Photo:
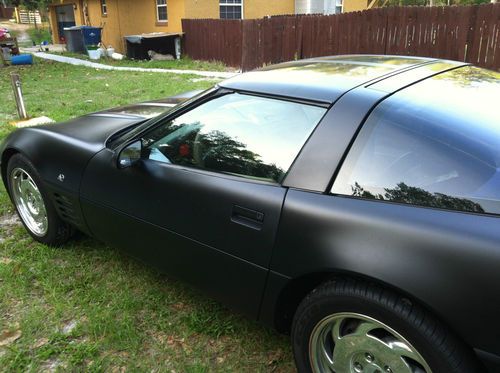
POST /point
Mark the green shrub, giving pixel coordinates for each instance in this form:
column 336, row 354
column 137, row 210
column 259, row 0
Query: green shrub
column 39, row 35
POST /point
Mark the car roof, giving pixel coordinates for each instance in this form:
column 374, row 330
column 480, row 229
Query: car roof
column 322, row 79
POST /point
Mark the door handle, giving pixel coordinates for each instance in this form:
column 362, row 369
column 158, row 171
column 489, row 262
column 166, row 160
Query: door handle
column 247, row 217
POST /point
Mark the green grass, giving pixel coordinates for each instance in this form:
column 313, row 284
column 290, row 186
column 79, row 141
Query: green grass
column 89, row 307
column 184, row 63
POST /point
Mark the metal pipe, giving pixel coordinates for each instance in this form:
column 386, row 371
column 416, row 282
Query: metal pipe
column 18, row 95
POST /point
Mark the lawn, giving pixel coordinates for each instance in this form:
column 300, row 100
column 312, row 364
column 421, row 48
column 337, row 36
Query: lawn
column 185, row 63
column 88, row 307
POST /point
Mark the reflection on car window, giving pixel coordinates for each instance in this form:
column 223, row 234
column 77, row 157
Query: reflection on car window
column 430, row 146
column 237, row 134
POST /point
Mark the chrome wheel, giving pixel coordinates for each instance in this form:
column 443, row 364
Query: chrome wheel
column 354, row 343
column 29, row 202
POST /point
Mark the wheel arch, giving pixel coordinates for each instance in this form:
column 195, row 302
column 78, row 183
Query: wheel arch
column 37, row 147
column 296, row 289
column 7, row 154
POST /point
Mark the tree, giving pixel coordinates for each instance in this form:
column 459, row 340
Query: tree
column 434, row 2
column 34, row 5
column 403, row 193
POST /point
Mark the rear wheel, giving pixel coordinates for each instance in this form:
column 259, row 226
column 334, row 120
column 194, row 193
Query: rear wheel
column 353, row 327
column 33, row 204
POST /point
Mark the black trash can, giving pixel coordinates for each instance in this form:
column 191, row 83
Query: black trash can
column 74, row 40
column 78, row 38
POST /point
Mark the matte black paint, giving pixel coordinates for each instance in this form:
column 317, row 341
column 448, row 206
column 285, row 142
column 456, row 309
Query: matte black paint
column 246, row 242
column 168, row 202
column 323, row 153
column 412, row 248
column 321, row 79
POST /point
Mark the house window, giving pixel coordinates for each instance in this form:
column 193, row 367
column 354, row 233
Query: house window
column 161, row 11
column 339, row 5
column 231, row 9
column 104, row 8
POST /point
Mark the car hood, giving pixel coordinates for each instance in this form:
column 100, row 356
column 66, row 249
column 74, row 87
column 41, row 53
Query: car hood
column 149, row 109
column 65, row 148
column 94, row 130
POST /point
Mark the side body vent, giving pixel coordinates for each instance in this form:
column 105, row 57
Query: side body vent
column 68, row 210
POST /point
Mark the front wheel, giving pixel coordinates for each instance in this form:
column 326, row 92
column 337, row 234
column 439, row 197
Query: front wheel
column 347, row 326
column 33, row 204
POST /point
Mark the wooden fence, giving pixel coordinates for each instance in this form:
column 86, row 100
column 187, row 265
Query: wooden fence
column 462, row 33
column 6, row 12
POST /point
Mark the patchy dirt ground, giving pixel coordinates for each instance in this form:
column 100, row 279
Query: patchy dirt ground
column 19, row 29
column 89, row 307
column 7, row 223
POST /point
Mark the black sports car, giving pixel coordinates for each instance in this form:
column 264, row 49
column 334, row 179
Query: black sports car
column 353, row 201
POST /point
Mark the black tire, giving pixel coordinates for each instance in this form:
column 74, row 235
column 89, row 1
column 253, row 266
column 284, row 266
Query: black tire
column 440, row 348
column 58, row 231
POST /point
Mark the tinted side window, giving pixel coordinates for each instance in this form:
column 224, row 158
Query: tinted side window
column 430, row 146
column 236, row 134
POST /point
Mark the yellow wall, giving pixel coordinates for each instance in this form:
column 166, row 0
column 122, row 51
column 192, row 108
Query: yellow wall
column 130, row 17
column 202, row 8
column 251, row 8
column 354, row 5
column 124, row 17
column 262, row 8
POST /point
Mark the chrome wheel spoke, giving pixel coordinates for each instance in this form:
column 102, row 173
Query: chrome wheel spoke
column 402, row 349
column 364, row 328
column 400, row 365
column 349, row 342
column 29, row 202
column 20, row 183
column 336, row 331
column 327, row 361
column 341, row 357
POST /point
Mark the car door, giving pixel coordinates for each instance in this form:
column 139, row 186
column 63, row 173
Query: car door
column 204, row 202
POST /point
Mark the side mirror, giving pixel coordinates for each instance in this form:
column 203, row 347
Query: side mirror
column 130, row 154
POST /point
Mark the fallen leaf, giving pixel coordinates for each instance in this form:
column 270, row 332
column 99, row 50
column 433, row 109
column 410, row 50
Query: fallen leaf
column 220, row 360
column 40, row 343
column 274, row 357
column 7, row 337
column 170, row 340
column 69, row 327
column 5, row 260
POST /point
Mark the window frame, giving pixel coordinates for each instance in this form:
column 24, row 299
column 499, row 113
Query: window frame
column 157, row 10
column 225, row 4
column 104, row 8
column 341, row 6
column 369, row 125
column 213, row 94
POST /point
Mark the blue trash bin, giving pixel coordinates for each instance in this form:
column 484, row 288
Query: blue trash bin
column 91, row 35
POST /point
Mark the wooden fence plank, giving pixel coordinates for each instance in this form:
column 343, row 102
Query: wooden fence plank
column 495, row 62
column 464, row 33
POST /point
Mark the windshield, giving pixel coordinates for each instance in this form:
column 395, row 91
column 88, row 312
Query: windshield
column 130, row 133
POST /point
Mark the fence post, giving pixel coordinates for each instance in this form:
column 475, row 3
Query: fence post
column 18, row 95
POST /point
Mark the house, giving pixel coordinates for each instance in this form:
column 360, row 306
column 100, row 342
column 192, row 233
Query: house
column 119, row 18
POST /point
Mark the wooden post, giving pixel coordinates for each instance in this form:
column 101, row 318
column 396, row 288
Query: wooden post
column 2, row 59
column 18, row 95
